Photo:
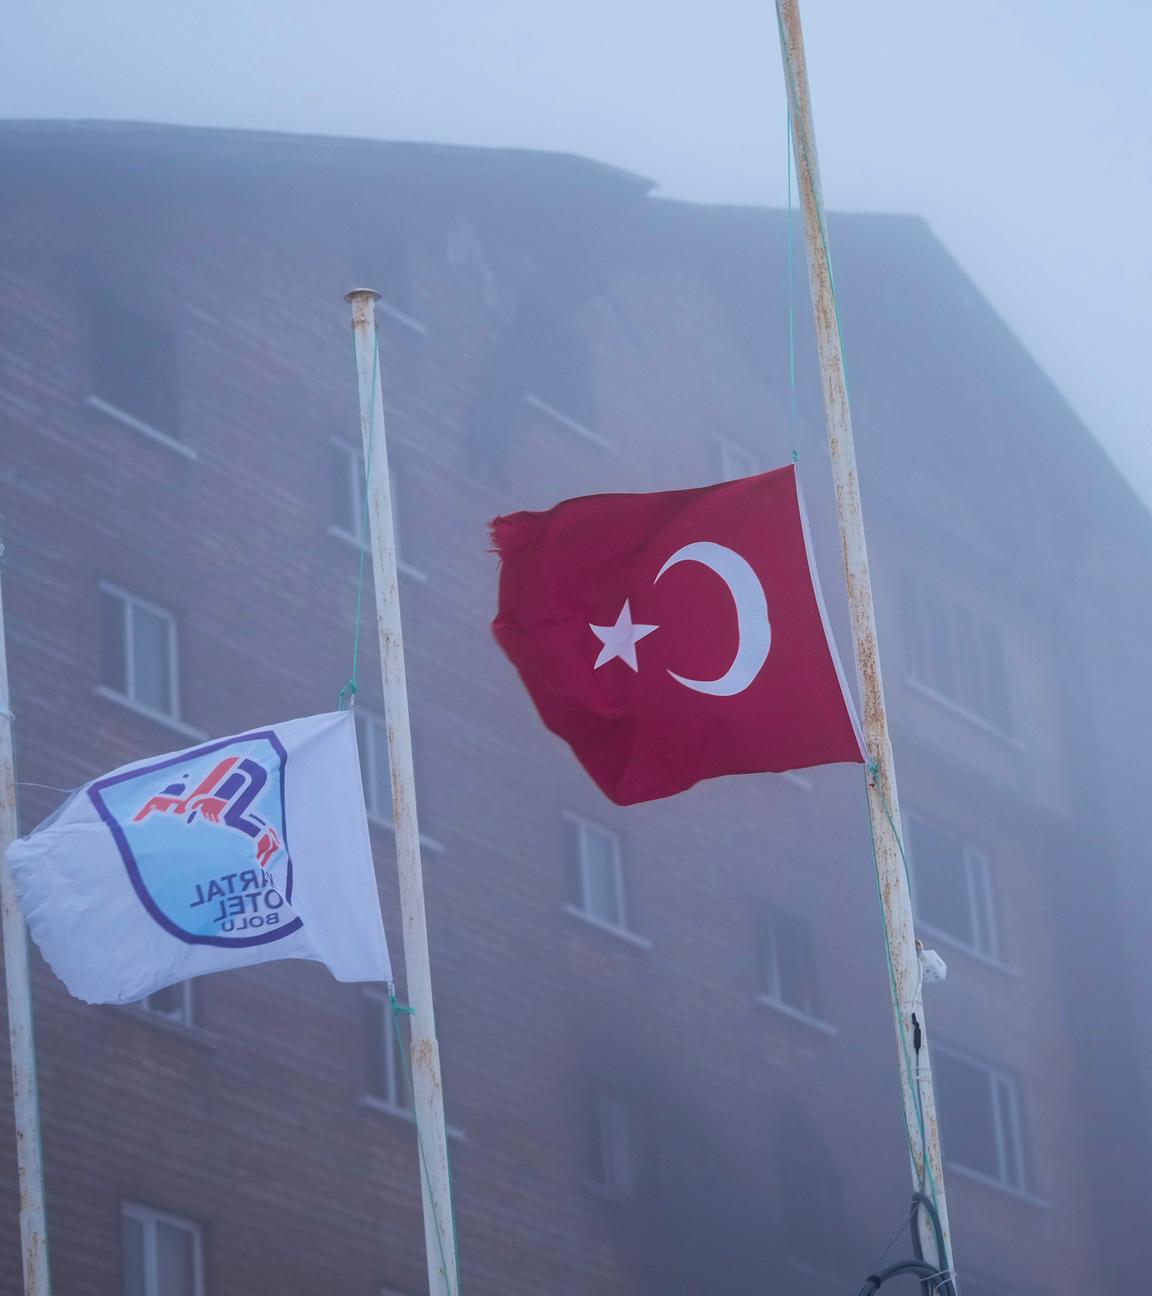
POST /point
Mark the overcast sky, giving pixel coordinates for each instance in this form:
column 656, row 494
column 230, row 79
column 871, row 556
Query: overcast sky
column 1019, row 128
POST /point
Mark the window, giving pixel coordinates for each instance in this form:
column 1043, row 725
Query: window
column 375, row 769
column 376, row 775
column 599, row 874
column 952, row 887
column 735, row 461
column 346, row 490
column 560, row 379
column 787, row 961
column 981, row 1120
column 138, row 652
column 174, row 1002
column 956, row 654
column 133, row 366
column 162, row 1255
column 346, row 484
column 612, row 1145
column 386, row 1079
column 466, row 255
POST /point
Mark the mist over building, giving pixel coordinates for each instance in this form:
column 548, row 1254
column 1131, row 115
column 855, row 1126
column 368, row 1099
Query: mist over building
column 669, row 1058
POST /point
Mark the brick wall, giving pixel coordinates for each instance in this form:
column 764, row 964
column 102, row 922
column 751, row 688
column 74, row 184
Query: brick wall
column 253, row 1122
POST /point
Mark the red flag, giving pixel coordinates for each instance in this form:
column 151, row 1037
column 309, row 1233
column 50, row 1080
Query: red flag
column 676, row 636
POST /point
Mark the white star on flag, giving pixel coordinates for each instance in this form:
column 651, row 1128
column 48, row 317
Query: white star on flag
column 620, row 640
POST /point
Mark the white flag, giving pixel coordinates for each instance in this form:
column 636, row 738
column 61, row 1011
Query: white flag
column 233, row 852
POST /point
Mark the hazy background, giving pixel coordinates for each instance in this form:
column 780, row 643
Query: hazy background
column 1018, row 128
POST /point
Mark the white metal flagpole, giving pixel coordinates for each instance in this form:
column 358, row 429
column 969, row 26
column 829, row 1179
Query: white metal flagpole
column 883, row 804
column 439, row 1225
column 29, row 1159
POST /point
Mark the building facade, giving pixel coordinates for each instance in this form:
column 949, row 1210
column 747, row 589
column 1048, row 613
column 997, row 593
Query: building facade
column 668, row 1052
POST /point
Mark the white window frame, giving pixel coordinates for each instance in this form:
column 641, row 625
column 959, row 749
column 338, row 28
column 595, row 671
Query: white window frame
column 977, row 887
column 360, row 537
column 393, row 1100
column 401, row 316
column 399, row 1078
column 169, row 439
column 1007, row 1123
column 915, row 586
column 767, row 941
column 615, row 1134
column 978, row 877
column 128, row 697
column 771, row 996
column 169, row 442
column 184, row 1016
column 565, row 418
column 377, row 814
column 582, row 828
column 381, row 816
column 149, row 1218
column 388, row 306
column 465, row 254
column 736, row 461
column 353, row 457
column 557, row 416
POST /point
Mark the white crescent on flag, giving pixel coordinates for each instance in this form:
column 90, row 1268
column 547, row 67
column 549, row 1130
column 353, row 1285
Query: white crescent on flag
column 753, row 629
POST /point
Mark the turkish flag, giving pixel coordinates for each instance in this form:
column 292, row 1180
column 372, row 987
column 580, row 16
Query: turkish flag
column 675, row 636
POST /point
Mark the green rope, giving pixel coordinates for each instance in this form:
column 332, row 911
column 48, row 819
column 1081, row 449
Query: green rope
column 927, row 1178
column 792, row 99
column 926, row 1173
column 399, row 1010
column 874, row 775
column 347, row 695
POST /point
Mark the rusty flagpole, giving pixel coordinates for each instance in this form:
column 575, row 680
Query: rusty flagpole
column 25, row 1095
column 428, row 1099
column 883, row 804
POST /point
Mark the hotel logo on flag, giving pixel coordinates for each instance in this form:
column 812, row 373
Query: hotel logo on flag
column 233, row 852
column 199, row 834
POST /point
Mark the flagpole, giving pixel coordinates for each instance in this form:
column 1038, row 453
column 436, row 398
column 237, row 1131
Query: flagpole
column 25, row 1095
column 439, row 1224
column 883, row 803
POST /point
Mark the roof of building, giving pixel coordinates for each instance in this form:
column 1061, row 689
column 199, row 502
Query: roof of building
column 992, row 407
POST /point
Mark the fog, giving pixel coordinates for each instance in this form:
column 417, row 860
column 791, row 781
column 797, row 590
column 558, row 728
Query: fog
column 666, row 1029
column 1019, row 131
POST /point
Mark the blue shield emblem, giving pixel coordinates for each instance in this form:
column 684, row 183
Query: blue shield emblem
column 199, row 835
